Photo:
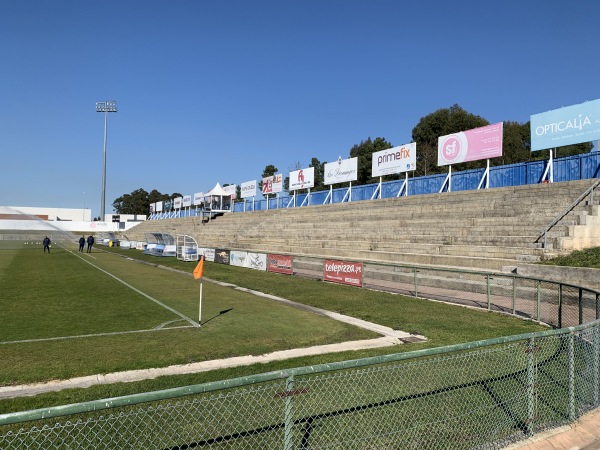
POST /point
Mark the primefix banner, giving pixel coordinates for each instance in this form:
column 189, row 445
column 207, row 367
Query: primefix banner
column 341, row 171
column 343, row 272
column 248, row 189
column 394, row 160
column 566, row 126
column 470, row 145
column 279, row 263
column 302, row 179
column 272, row 185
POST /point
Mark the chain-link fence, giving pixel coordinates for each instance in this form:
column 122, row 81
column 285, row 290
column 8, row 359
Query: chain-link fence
column 479, row 395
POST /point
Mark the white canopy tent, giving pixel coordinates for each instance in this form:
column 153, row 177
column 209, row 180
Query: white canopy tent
column 219, row 199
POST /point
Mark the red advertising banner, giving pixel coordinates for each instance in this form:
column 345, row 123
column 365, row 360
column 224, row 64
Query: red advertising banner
column 279, row 263
column 343, row 272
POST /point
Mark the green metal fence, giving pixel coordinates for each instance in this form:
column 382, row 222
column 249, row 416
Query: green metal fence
column 477, row 395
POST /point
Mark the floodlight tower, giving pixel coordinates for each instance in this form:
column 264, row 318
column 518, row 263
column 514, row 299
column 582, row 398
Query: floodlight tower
column 105, row 107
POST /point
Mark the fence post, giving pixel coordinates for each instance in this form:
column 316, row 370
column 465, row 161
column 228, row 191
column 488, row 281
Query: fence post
column 530, row 387
column 289, row 415
column 416, row 281
column 580, row 306
column 539, row 296
column 571, row 376
column 596, row 363
column 487, row 279
column 560, row 305
column 514, row 295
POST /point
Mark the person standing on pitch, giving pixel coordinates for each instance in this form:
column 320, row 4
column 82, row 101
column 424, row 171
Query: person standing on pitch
column 90, row 242
column 81, row 243
column 46, row 243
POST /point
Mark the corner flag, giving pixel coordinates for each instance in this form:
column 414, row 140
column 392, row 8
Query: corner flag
column 199, row 270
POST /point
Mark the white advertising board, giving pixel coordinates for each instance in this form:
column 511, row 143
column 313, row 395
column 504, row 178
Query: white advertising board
column 230, row 190
column 272, row 185
column 237, row 258
column 187, row 201
column 257, row 261
column 209, row 253
column 198, row 198
column 394, row 160
column 177, row 202
column 248, row 189
column 159, row 206
column 302, row 179
column 341, row 171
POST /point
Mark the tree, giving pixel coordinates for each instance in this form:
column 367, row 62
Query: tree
column 364, row 152
column 440, row 123
column 134, row 203
column 319, row 174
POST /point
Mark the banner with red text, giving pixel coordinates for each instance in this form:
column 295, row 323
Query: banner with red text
column 344, row 272
column 279, row 263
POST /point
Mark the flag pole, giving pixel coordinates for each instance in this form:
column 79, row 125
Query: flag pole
column 200, row 307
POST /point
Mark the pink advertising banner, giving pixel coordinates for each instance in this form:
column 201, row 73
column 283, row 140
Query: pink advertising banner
column 470, row 145
column 343, row 272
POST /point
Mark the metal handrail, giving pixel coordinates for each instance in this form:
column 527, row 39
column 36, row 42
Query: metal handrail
column 568, row 209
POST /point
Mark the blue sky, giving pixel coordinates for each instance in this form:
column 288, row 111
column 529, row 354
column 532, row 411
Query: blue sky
column 214, row 91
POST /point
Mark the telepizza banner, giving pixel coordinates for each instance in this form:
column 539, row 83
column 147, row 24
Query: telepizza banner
column 279, row 263
column 470, row 145
column 302, row 179
column 343, row 272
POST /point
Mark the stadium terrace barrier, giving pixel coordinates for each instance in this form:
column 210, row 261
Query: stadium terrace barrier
column 477, row 395
column 570, row 168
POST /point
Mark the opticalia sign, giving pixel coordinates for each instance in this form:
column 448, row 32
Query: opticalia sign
column 566, row 126
column 248, row 189
column 394, row 160
column 302, row 179
column 343, row 272
column 341, row 171
column 471, row 145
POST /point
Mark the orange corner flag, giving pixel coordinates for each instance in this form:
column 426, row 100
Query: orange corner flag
column 199, row 270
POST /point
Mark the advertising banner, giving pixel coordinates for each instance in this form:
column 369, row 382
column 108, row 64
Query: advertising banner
column 222, row 256
column 272, row 185
column 177, row 202
column 257, row 261
column 394, row 160
column 167, row 205
column 187, row 201
column 302, row 179
column 248, row 189
column 198, row 198
column 159, row 206
column 279, row 263
column 341, row 171
column 566, row 126
column 343, row 272
column 152, row 207
column 209, row 253
column 237, row 258
column 230, row 190
column 471, row 145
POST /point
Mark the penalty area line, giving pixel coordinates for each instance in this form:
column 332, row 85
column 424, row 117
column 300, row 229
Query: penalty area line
column 158, row 302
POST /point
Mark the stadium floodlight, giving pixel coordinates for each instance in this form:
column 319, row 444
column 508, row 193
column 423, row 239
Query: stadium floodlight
column 105, row 107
